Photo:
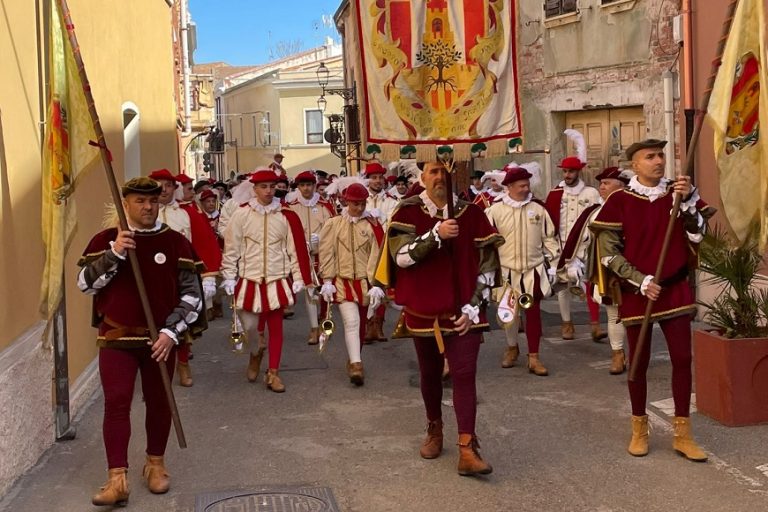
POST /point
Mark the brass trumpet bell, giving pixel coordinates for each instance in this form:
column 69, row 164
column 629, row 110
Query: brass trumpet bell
column 525, row 301
column 238, row 338
column 327, row 326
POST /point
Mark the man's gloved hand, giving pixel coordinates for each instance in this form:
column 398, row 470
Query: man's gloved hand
column 328, row 291
column 228, row 285
column 376, row 295
column 209, row 288
column 575, row 271
column 297, row 286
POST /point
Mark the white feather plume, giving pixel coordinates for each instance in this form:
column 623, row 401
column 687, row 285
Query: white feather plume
column 243, row 192
column 493, row 175
column 578, row 140
column 626, row 173
column 535, row 169
column 338, row 185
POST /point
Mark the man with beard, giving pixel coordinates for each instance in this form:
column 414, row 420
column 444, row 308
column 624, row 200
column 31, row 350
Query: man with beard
column 442, row 270
column 630, row 232
column 565, row 203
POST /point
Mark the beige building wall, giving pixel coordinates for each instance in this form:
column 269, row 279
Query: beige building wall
column 286, row 96
column 122, row 69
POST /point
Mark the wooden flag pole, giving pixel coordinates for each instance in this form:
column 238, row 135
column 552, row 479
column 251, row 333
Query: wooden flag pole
column 687, row 172
column 116, row 197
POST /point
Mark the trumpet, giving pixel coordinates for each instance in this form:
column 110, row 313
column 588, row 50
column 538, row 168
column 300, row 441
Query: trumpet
column 326, row 329
column 510, row 304
column 238, row 337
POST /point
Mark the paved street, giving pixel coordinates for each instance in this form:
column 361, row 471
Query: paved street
column 556, row 443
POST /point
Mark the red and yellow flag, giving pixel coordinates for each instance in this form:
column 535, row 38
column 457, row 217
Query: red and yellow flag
column 66, row 155
column 737, row 109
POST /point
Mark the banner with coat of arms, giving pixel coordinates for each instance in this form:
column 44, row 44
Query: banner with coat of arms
column 738, row 108
column 439, row 71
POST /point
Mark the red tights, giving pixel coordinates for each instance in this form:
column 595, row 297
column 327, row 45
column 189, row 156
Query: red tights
column 117, row 370
column 677, row 332
column 461, row 352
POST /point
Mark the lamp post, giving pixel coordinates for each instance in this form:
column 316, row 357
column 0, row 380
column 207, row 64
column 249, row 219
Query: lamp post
column 343, row 126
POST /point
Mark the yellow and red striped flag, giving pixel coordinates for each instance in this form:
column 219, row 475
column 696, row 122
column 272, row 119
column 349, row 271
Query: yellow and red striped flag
column 66, row 156
column 738, row 108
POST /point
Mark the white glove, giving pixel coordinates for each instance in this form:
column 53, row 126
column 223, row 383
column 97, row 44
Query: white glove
column 297, row 286
column 575, row 271
column 552, row 276
column 472, row 312
column 209, row 288
column 375, row 212
column 376, row 295
column 228, row 285
column 328, row 291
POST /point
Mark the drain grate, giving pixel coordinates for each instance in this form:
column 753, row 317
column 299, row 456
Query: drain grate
column 269, row 499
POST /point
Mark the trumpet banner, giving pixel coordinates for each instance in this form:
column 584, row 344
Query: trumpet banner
column 66, row 155
column 738, row 108
column 439, row 71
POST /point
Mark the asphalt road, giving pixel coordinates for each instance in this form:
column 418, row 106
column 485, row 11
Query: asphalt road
column 557, row 443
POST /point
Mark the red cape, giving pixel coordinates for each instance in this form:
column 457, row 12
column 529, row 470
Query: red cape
column 300, row 242
column 552, row 205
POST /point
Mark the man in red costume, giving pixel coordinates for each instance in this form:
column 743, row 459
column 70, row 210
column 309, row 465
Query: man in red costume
column 442, row 270
column 170, row 271
column 264, row 247
column 206, row 246
column 630, row 229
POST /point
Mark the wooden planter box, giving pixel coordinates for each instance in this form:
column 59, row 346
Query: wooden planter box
column 731, row 378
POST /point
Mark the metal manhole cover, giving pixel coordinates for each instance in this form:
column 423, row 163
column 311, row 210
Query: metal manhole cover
column 269, row 499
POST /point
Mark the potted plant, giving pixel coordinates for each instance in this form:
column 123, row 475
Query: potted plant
column 731, row 358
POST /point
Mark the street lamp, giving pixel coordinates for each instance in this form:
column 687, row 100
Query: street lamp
column 321, row 103
column 322, row 75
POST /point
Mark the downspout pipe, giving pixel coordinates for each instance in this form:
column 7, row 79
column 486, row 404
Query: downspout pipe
column 668, row 78
column 689, row 109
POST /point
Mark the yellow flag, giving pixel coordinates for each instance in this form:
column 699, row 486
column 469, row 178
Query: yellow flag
column 66, row 156
column 737, row 109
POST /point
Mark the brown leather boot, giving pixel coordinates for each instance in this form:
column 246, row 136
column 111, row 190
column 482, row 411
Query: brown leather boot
column 683, row 442
column 535, row 367
column 314, row 335
column 470, row 462
column 370, row 332
column 378, row 323
column 355, row 372
column 598, row 335
column 155, row 475
column 185, row 374
column 618, row 362
column 115, row 491
column 432, row 446
column 568, row 330
column 273, row 382
column 510, row 357
column 254, row 364
column 638, row 445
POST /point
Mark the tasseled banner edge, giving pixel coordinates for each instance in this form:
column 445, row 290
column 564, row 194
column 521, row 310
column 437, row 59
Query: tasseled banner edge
column 462, row 152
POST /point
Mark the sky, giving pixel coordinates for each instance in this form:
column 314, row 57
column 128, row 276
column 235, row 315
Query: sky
column 244, row 32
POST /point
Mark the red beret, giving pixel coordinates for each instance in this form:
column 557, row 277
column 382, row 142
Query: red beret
column 391, row 179
column 372, row 168
column 515, row 174
column 183, row 178
column 264, row 176
column 206, row 194
column 355, row 192
column 306, row 176
column 162, row 174
column 612, row 173
column 572, row 162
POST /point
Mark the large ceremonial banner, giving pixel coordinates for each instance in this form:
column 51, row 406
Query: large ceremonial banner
column 737, row 110
column 439, row 71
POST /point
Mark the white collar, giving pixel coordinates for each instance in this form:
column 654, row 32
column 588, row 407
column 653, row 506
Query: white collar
column 432, row 207
column 271, row 207
column 353, row 220
column 575, row 190
column 381, row 194
column 309, row 202
column 514, row 203
column 396, row 194
column 213, row 215
column 652, row 193
column 475, row 190
column 172, row 205
column 156, row 227
column 494, row 193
